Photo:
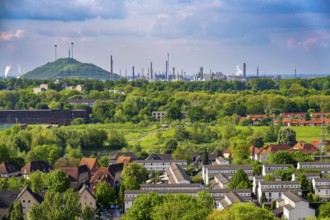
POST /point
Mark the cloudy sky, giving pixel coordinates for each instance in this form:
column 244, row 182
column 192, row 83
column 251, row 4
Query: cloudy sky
column 275, row 35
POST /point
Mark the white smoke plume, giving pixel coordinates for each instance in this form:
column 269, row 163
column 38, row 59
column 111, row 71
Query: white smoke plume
column 239, row 72
column 19, row 69
column 7, row 71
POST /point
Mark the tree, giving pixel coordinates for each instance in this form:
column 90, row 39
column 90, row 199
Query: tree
column 256, row 168
column 196, row 113
column 240, row 180
column 104, row 161
column 174, row 113
column 117, row 140
column 205, row 157
column 303, row 182
column 133, row 174
column 270, row 135
column 88, row 213
column 4, row 153
column 16, row 211
column 93, row 138
column 324, row 210
column 57, row 206
column 269, row 177
column 287, row 136
column 281, row 157
column 58, row 182
column 104, row 194
column 242, row 211
column 170, row 146
column 47, row 153
column 256, row 140
column 36, row 181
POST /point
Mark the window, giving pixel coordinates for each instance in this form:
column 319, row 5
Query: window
column 23, row 201
column 270, row 194
column 28, row 201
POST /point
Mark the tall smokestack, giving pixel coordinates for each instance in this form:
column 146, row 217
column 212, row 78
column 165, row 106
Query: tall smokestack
column 244, row 70
column 174, row 73
column 257, row 71
column 55, row 51
column 133, row 73
column 166, row 69
column 295, row 73
column 111, row 68
column 168, row 66
column 151, row 72
column 71, row 49
column 126, row 73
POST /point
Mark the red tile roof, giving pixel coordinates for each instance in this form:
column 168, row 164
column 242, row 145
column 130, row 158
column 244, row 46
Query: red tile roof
column 304, row 147
column 91, row 163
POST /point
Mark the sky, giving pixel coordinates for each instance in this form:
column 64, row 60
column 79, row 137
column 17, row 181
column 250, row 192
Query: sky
column 277, row 36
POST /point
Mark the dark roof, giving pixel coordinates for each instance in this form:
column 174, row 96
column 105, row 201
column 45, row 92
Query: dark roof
column 7, row 167
column 36, row 165
column 7, row 197
column 293, row 197
column 159, row 157
column 125, row 154
column 114, row 168
column 37, row 196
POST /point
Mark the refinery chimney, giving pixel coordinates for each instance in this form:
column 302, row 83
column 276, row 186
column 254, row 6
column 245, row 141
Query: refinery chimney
column 111, row 68
column 244, row 70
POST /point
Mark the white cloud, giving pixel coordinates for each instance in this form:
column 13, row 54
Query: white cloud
column 12, row 35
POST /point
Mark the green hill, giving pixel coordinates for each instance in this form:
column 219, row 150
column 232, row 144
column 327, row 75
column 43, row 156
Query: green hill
column 69, row 68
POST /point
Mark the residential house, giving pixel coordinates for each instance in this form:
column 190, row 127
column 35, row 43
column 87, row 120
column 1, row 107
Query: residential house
column 115, row 157
column 86, row 198
column 217, row 194
column 221, row 161
column 171, row 187
column 33, row 166
column 124, row 160
column 321, row 187
column 313, row 165
column 257, row 179
column 7, row 169
column 101, row 175
column 41, row 88
column 220, row 181
column 252, row 152
column 320, row 114
column 115, row 171
column 271, row 168
column 274, row 189
column 176, row 175
column 263, row 153
column 28, row 198
column 91, row 163
column 160, row 165
column 77, row 175
column 229, row 199
column 211, row 156
column 209, row 171
column 159, row 157
column 7, row 198
column 309, row 176
column 89, row 102
column 227, row 154
column 304, row 147
column 291, row 206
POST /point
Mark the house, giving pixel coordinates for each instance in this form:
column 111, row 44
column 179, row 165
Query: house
column 304, row 147
column 176, row 175
column 125, row 160
column 309, row 176
column 220, row 181
column 160, row 165
column 221, row 161
column 115, row 157
column 313, row 165
column 292, row 207
column 7, row 169
column 171, row 187
column 7, row 198
column 217, row 194
column 77, row 88
column 115, row 171
column 159, row 157
column 32, row 166
column 41, row 88
column 252, row 152
column 320, row 114
column 211, row 156
column 91, row 163
column 158, row 115
column 229, row 199
column 271, row 168
column 101, row 175
column 209, row 171
column 273, row 190
column 263, row 153
column 257, row 179
column 86, row 198
column 28, row 198
column 89, row 102
column 321, row 187
column 227, row 154
column 77, row 175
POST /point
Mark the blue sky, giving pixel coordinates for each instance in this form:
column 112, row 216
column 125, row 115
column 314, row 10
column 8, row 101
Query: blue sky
column 277, row 36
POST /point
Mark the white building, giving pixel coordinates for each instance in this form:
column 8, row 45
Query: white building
column 274, row 189
column 220, row 181
column 313, row 165
column 160, row 165
column 321, row 187
column 221, row 161
column 209, row 171
column 158, row 115
column 176, row 175
column 271, row 168
column 293, row 207
column 229, row 199
column 257, row 179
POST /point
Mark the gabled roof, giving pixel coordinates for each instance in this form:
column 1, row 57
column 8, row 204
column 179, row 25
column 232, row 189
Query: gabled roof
column 85, row 188
column 7, row 197
column 7, row 168
column 102, row 172
column 178, row 172
column 34, row 166
column 126, row 154
column 293, row 197
column 74, row 172
column 277, row 147
column 159, row 157
column 114, row 168
column 37, row 196
column 304, row 147
column 252, row 150
column 124, row 160
column 89, row 162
